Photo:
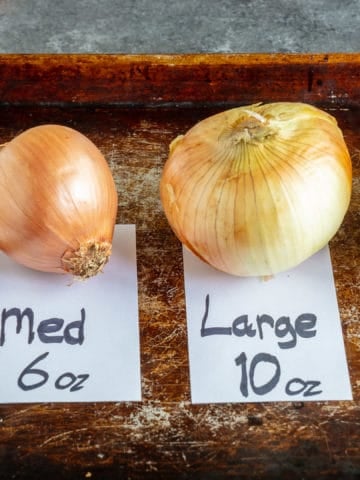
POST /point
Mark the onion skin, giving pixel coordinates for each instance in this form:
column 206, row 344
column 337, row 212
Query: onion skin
column 58, row 202
column 256, row 190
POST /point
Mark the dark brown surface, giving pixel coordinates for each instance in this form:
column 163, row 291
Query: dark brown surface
column 132, row 107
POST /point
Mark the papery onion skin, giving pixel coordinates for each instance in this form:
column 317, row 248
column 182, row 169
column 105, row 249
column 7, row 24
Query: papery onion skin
column 58, row 202
column 256, row 190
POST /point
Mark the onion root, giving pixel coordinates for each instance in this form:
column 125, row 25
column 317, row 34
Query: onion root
column 88, row 260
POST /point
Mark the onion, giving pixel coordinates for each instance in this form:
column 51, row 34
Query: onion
column 256, row 190
column 58, row 202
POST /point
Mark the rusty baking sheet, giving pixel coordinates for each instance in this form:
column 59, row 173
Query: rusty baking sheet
column 132, row 107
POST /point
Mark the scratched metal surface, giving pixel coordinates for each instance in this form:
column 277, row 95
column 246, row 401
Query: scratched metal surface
column 165, row 436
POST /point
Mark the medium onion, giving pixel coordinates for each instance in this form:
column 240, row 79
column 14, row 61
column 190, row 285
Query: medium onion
column 58, row 202
column 256, row 190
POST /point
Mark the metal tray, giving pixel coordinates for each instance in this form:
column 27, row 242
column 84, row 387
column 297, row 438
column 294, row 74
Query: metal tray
column 132, row 106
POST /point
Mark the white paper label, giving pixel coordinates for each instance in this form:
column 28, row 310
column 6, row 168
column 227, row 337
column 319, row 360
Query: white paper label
column 252, row 340
column 71, row 341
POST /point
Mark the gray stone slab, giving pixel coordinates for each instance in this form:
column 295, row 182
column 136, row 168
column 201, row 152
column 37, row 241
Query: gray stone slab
column 160, row 26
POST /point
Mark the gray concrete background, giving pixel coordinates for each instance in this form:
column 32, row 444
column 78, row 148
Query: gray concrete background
column 161, row 26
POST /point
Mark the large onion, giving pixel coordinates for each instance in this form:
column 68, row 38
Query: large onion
column 58, row 202
column 256, row 190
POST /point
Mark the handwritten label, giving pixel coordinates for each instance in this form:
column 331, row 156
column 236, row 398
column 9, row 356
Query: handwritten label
column 71, row 341
column 252, row 340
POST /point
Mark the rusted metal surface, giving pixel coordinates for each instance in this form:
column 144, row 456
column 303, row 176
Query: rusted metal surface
column 148, row 79
column 117, row 102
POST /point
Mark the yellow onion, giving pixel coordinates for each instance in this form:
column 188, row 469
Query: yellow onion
column 256, row 190
column 58, row 202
